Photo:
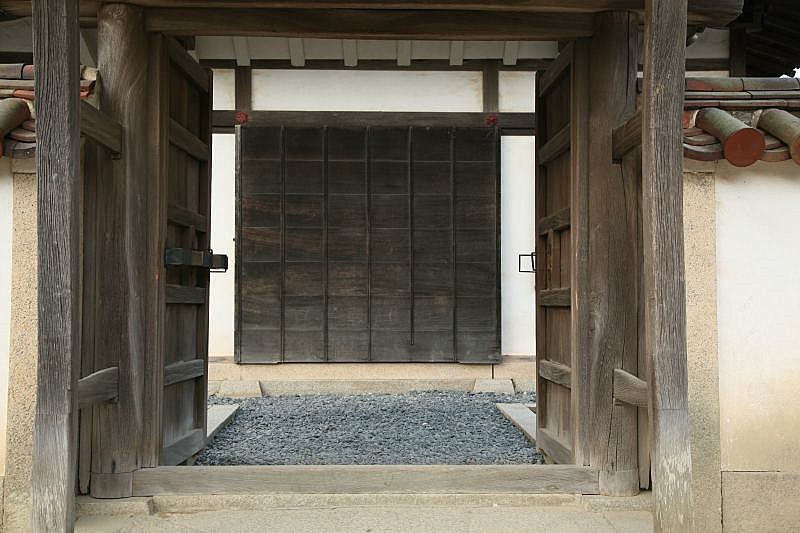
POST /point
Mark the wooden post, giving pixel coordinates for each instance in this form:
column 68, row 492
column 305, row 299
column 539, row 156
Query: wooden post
column 122, row 283
column 613, row 258
column 665, row 298
column 56, row 51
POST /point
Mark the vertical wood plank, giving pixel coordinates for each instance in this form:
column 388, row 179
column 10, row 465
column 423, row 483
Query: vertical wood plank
column 579, row 231
column 158, row 136
column 123, row 270
column 665, row 308
column 56, row 48
column 612, row 258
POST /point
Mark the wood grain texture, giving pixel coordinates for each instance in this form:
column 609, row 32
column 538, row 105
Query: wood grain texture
column 555, row 146
column 122, row 250
column 55, row 46
column 188, row 142
column 629, row 389
column 183, row 371
column 508, row 120
column 554, row 297
column 627, row 136
column 555, row 222
column 101, row 128
column 353, row 479
column 100, row 386
column 369, row 24
column 556, row 373
column 613, row 261
column 157, row 205
column 665, row 307
column 579, row 244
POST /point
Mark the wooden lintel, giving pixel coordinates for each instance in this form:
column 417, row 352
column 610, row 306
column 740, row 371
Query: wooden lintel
column 98, row 387
column 629, row 389
column 184, row 371
column 556, row 222
column 370, row 24
column 557, row 145
column 525, row 121
column 101, row 128
column 556, row 373
column 187, row 141
column 627, row 136
column 554, row 297
column 367, row 479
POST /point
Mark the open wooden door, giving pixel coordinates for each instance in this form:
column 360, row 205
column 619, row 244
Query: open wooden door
column 561, row 260
column 183, row 112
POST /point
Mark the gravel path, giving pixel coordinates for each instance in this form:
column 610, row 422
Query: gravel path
column 415, row 428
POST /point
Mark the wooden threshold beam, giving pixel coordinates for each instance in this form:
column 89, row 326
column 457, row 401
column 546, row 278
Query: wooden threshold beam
column 370, row 24
column 98, row 387
column 510, row 121
column 362, row 479
column 101, row 128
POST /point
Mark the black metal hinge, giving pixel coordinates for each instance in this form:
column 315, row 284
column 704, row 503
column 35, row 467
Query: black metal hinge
column 196, row 258
column 532, row 256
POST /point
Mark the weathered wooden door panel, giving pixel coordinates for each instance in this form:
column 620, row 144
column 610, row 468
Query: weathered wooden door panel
column 560, row 411
column 186, row 237
column 367, row 244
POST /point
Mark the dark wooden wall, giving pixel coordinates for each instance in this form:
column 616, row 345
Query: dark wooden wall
column 367, row 244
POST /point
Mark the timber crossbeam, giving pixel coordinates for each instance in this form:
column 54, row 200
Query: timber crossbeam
column 101, row 128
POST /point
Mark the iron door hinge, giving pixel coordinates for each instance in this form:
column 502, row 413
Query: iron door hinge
column 196, row 258
column 532, row 256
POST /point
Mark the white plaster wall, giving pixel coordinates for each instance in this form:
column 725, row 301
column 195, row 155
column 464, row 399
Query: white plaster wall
column 383, row 91
column 758, row 257
column 223, row 230
column 517, row 236
column 366, row 90
column 6, row 205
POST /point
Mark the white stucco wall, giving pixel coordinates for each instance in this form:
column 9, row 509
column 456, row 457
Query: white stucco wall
column 6, row 205
column 352, row 90
column 758, row 258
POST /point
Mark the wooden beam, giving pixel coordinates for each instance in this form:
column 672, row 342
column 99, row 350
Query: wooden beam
column 297, row 54
column 186, row 217
column 56, row 48
column 554, row 297
column 525, row 65
column 613, row 258
column 178, row 56
column 98, row 387
column 510, row 52
column 350, row 52
column 665, row 296
column 456, row 52
column 556, row 450
column 556, row 222
column 491, row 90
column 629, row 389
column 241, row 50
column 187, row 141
column 101, row 128
column 556, row 373
column 366, row 479
column 627, row 136
column 184, row 371
column 556, row 146
column 403, row 53
column 226, row 119
column 369, row 24
column 243, row 88
column 122, row 326
column 180, row 294
column 187, row 446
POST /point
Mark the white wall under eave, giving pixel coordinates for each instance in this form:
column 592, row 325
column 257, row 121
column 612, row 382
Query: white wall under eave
column 758, row 258
column 6, row 232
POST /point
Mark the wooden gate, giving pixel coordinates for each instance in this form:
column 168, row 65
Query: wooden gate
column 561, row 111
column 183, row 125
column 370, row 243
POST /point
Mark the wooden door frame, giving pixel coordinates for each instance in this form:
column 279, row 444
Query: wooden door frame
column 55, row 24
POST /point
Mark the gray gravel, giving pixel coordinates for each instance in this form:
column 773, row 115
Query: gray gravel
column 415, row 428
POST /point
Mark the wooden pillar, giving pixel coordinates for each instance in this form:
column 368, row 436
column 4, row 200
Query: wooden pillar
column 665, row 298
column 122, row 283
column 56, row 53
column 613, row 255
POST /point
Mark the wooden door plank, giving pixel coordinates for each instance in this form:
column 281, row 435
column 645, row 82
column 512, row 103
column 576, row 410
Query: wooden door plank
column 613, row 261
column 662, row 209
column 372, row 479
column 55, row 45
column 122, row 264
